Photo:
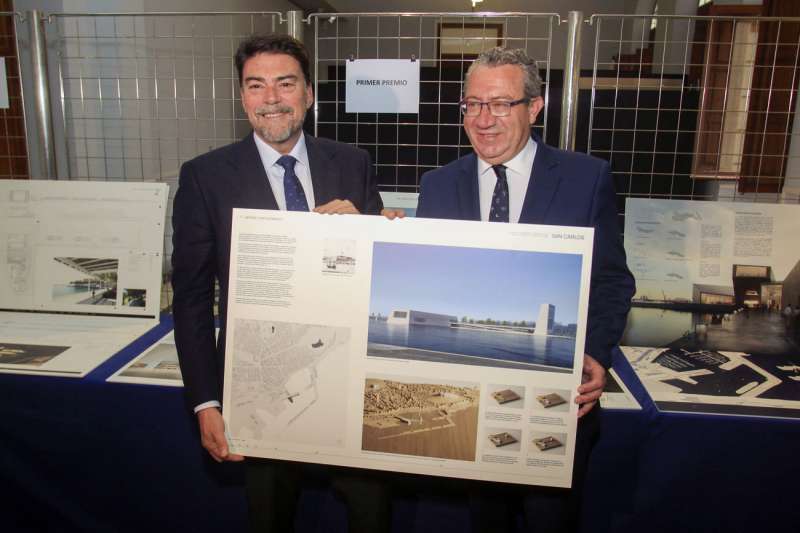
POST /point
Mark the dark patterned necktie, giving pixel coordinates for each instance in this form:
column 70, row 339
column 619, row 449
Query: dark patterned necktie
column 499, row 210
column 292, row 188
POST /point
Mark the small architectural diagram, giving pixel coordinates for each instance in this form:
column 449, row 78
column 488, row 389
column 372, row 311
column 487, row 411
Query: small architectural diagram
column 339, row 256
column 503, row 438
column 134, row 297
column 547, row 443
column 18, row 258
column 550, row 400
column 505, row 396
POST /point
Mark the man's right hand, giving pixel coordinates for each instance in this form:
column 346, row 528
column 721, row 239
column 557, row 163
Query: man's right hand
column 212, row 435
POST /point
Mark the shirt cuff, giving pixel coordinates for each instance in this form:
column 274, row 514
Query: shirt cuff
column 206, row 405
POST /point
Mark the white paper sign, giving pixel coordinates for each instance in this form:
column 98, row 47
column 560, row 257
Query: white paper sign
column 365, row 342
column 3, row 84
column 407, row 201
column 382, row 86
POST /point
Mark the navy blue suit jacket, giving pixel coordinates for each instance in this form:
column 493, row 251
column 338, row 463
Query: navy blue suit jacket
column 566, row 189
column 211, row 185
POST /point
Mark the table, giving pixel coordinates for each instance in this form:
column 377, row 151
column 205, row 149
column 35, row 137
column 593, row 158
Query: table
column 87, row 455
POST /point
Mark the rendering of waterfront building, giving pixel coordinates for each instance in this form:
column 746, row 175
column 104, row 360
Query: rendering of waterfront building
column 411, row 317
column 544, row 323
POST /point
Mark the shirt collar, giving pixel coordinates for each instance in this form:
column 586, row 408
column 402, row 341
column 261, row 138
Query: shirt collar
column 521, row 164
column 269, row 155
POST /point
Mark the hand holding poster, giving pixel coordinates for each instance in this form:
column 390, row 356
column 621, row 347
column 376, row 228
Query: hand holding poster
column 435, row 347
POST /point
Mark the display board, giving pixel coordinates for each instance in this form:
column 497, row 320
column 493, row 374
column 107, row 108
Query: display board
column 714, row 321
column 616, row 394
column 435, row 347
column 80, row 246
column 90, row 252
column 157, row 365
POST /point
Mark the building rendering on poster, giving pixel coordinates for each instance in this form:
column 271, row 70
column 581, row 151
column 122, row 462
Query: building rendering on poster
column 714, row 320
column 407, row 363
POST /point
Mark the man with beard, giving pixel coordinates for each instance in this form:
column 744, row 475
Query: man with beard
column 276, row 166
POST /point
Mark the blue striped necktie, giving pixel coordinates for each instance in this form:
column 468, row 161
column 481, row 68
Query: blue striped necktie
column 292, row 188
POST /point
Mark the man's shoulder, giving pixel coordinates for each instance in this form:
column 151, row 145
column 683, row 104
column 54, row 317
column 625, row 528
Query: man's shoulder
column 218, row 155
column 451, row 170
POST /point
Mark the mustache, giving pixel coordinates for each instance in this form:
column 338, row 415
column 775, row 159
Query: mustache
column 268, row 110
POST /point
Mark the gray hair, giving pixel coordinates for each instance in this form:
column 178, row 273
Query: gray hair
column 499, row 56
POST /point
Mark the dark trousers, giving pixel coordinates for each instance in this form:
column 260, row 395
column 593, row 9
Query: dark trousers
column 273, row 489
column 493, row 506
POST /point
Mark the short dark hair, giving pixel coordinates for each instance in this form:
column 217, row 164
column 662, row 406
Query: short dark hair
column 272, row 44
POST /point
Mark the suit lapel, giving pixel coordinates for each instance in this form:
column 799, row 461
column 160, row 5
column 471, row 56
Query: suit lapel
column 325, row 176
column 542, row 185
column 250, row 184
column 468, row 202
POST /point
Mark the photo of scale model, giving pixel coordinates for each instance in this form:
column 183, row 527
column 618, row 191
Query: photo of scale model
column 417, row 417
column 551, row 400
column 505, row 396
column 547, row 443
column 502, row 439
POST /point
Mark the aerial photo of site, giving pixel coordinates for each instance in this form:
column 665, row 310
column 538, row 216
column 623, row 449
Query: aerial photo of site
column 426, row 419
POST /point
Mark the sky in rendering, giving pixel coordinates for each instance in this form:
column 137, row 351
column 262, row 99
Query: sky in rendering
column 478, row 283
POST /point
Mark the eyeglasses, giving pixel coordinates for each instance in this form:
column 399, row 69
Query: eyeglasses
column 498, row 108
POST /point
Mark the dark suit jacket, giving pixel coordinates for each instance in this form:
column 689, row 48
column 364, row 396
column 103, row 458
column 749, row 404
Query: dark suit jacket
column 566, row 189
column 211, row 185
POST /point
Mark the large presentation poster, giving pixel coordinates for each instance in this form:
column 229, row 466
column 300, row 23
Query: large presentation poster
column 434, row 347
column 82, row 246
column 714, row 323
column 89, row 251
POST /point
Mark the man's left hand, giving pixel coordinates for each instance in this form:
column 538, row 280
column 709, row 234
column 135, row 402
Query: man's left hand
column 337, row 207
column 593, row 381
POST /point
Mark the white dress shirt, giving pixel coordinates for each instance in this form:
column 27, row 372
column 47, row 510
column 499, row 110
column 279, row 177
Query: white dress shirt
column 518, row 173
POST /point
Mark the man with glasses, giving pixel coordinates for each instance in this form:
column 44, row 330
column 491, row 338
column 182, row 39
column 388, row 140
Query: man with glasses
column 514, row 177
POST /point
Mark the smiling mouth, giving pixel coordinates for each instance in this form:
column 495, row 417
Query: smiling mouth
column 272, row 114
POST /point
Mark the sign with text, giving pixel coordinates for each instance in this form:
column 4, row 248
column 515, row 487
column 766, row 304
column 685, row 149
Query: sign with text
column 382, row 86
